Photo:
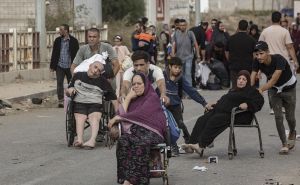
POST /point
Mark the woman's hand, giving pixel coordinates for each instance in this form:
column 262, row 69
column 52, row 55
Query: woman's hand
column 131, row 95
column 113, row 121
column 243, row 106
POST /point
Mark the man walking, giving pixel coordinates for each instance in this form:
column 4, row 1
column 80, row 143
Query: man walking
column 64, row 51
column 279, row 41
column 282, row 90
column 184, row 46
column 239, row 51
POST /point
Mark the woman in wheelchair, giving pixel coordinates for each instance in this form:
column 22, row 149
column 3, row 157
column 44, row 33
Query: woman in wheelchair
column 88, row 88
column 142, row 115
column 217, row 119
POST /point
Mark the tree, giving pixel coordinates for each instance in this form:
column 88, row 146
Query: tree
column 127, row 10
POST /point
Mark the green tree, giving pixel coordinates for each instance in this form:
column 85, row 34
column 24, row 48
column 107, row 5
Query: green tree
column 127, row 10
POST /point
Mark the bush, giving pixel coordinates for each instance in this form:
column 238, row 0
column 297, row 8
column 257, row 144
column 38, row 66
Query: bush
column 127, row 10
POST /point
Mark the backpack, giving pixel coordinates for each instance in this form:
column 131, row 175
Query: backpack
column 109, row 72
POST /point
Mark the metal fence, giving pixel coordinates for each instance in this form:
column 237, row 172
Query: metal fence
column 20, row 50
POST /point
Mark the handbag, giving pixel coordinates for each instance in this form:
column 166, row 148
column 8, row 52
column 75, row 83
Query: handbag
column 173, row 127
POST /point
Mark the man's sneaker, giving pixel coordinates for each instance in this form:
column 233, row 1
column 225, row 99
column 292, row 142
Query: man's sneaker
column 283, row 110
column 292, row 139
column 181, row 151
column 284, row 150
column 271, row 111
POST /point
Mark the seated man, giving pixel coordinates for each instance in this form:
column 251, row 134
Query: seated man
column 213, row 123
column 89, row 88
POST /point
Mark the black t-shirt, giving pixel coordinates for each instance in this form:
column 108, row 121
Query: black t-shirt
column 100, row 82
column 278, row 62
column 199, row 35
column 240, row 47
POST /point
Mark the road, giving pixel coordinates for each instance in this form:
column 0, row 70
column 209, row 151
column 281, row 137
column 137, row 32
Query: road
column 34, row 152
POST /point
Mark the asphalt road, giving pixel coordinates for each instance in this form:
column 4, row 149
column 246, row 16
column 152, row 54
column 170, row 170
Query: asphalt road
column 33, row 151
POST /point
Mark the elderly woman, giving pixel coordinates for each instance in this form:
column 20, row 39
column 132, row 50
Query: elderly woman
column 142, row 111
column 89, row 87
column 211, row 124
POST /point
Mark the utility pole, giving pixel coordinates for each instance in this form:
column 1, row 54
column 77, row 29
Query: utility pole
column 197, row 12
column 40, row 12
column 100, row 13
column 253, row 6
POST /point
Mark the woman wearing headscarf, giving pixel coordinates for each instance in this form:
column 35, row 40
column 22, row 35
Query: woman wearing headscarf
column 254, row 32
column 142, row 115
column 215, row 121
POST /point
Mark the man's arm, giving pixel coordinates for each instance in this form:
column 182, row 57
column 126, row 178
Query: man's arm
column 161, row 84
column 227, row 55
column 272, row 81
column 197, row 50
column 73, row 66
column 173, row 49
column 253, row 77
column 77, row 60
column 292, row 53
column 115, row 66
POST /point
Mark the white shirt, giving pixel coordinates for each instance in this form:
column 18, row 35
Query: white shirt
column 157, row 74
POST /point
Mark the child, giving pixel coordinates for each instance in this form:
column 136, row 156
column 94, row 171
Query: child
column 122, row 52
column 175, row 84
column 145, row 38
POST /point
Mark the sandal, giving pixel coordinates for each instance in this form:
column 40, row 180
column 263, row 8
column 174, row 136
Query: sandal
column 77, row 144
column 292, row 139
column 284, row 150
column 197, row 149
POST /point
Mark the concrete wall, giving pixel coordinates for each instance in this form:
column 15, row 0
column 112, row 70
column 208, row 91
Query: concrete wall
column 19, row 14
column 231, row 5
column 34, row 74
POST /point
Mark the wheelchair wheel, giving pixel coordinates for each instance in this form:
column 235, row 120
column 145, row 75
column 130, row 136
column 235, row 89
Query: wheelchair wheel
column 234, row 152
column 262, row 154
column 230, row 156
column 70, row 125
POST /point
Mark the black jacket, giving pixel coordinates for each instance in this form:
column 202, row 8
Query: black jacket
column 73, row 48
column 234, row 98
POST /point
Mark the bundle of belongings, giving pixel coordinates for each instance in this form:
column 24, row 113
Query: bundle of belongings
column 212, row 75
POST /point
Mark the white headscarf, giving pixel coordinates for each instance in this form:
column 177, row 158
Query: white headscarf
column 84, row 66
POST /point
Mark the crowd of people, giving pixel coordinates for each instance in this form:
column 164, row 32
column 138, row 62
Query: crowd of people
column 99, row 69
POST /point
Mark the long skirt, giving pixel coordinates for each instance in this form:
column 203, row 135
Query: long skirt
column 208, row 127
column 133, row 155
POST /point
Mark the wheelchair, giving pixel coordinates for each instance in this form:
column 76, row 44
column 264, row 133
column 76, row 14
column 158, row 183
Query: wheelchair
column 164, row 151
column 232, row 151
column 108, row 112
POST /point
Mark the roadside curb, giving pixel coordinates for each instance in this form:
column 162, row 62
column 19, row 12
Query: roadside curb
column 34, row 95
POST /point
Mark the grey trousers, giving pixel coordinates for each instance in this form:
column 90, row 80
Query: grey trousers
column 286, row 99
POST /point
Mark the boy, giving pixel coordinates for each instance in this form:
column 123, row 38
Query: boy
column 175, row 84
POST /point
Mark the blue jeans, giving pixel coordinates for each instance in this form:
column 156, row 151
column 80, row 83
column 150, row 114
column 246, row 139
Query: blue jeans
column 187, row 69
